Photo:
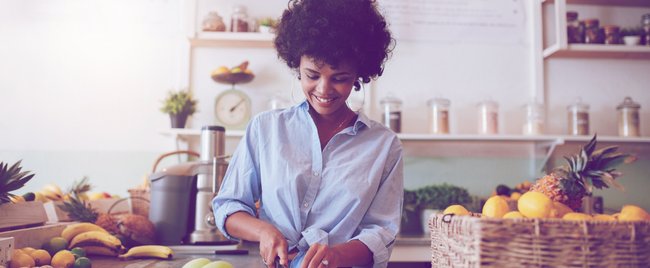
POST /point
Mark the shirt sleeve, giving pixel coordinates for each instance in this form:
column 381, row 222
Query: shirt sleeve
column 379, row 227
column 241, row 187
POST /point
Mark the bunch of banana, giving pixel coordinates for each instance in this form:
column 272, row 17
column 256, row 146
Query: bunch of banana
column 149, row 251
column 52, row 192
column 94, row 239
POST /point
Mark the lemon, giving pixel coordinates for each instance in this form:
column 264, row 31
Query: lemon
column 633, row 213
column 514, row 215
column 56, row 244
column 456, row 210
column 221, row 70
column 20, row 259
column 576, row 216
column 63, row 258
column 559, row 210
column 218, row 264
column 604, row 217
column 27, row 250
column 515, row 196
column 535, row 205
column 41, row 257
column 197, row 263
column 495, row 207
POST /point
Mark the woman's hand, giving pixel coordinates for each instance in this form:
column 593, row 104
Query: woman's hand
column 320, row 256
column 272, row 245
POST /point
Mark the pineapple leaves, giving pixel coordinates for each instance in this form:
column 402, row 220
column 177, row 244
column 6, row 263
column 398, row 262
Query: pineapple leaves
column 12, row 179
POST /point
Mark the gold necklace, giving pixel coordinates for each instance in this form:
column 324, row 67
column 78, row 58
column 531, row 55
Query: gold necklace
column 337, row 129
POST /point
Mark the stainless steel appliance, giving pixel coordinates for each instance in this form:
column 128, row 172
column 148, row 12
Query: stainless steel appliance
column 181, row 195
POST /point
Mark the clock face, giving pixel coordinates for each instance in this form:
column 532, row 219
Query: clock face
column 233, row 108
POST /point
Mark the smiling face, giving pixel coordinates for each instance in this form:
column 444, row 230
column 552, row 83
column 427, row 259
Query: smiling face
column 326, row 87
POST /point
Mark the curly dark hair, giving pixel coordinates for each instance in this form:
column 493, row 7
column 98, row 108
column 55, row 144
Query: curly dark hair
column 332, row 31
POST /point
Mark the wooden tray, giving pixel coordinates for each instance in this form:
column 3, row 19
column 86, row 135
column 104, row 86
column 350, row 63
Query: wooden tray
column 19, row 215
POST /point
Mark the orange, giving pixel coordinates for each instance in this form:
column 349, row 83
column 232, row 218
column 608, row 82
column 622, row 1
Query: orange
column 41, row 257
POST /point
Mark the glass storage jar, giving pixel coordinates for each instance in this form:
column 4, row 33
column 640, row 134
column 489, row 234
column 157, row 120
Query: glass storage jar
column 213, row 22
column 488, row 114
column 534, row 124
column 575, row 34
column 592, row 32
column 391, row 115
column 439, row 115
column 612, row 35
column 628, row 118
column 578, row 118
column 239, row 19
column 645, row 23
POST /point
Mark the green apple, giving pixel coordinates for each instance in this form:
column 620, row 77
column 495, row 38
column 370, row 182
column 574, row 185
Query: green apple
column 218, row 264
column 197, row 263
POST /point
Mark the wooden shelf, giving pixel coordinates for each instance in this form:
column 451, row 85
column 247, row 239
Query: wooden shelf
column 542, row 139
column 598, row 51
column 622, row 3
column 230, row 39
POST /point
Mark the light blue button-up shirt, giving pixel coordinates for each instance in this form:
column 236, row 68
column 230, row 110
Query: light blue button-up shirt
column 352, row 189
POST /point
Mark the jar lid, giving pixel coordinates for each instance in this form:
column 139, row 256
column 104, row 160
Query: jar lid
column 578, row 105
column 390, row 99
column 592, row 22
column 489, row 103
column 438, row 101
column 628, row 103
column 572, row 15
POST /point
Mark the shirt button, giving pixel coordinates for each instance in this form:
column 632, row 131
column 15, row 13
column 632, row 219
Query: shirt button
column 316, row 174
column 305, row 204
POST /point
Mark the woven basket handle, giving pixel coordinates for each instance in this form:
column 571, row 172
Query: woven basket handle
column 122, row 199
column 161, row 157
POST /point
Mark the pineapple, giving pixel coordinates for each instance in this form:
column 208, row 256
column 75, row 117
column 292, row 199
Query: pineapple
column 586, row 170
column 79, row 210
column 12, row 179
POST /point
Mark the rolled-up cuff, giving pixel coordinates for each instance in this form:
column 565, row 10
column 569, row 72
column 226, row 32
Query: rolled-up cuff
column 380, row 250
column 222, row 212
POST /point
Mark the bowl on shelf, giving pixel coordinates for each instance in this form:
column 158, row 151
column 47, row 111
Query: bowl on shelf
column 233, row 78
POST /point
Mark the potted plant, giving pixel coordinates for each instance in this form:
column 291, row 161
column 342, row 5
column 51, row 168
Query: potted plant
column 179, row 105
column 420, row 203
column 632, row 35
column 267, row 25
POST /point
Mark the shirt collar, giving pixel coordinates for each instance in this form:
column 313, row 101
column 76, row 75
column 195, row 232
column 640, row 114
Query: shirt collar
column 362, row 119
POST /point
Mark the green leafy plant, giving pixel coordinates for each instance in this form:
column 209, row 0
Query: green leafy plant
column 270, row 22
column 437, row 196
column 11, row 179
column 179, row 102
column 632, row 31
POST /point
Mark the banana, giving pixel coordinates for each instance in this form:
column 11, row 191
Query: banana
column 152, row 251
column 96, row 238
column 73, row 230
column 52, row 192
column 100, row 251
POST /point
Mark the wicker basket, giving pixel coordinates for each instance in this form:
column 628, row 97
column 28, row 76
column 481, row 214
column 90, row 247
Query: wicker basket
column 139, row 199
column 464, row 241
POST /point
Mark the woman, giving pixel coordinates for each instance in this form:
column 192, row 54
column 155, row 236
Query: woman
column 329, row 180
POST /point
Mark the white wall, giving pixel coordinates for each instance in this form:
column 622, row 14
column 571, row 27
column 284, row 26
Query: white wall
column 81, row 83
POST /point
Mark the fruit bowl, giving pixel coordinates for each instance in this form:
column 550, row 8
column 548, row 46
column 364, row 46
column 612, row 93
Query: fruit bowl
column 233, row 78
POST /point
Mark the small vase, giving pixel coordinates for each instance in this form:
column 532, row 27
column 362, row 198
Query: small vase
column 178, row 120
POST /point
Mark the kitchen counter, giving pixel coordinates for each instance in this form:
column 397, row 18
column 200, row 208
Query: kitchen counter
column 252, row 259
column 406, row 249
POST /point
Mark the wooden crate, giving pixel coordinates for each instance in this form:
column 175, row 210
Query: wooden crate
column 464, row 241
column 23, row 214
column 55, row 214
column 35, row 236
